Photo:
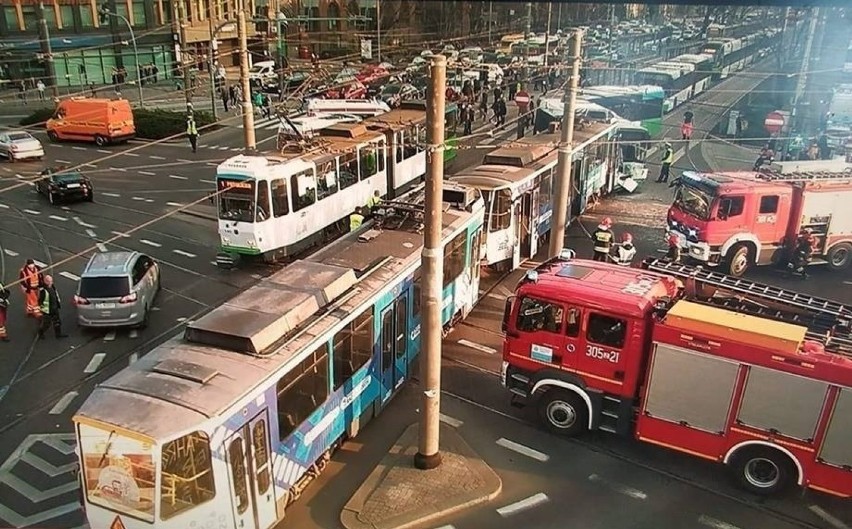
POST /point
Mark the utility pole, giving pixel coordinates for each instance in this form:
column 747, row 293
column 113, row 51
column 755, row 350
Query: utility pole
column 44, row 35
column 490, row 23
column 214, row 46
column 428, row 449
column 804, row 70
column 184, row 65
column 547, row 35
column 379, row 30
column 526, row 43
column 566, row 148
column 248, row 111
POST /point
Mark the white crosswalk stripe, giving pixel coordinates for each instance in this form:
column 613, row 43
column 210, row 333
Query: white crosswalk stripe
column 266, row 123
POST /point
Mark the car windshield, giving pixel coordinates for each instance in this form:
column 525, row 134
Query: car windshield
column 693, row 201
column 104, row 287
column 20, row 136
column 65, row 178
column 236, row 199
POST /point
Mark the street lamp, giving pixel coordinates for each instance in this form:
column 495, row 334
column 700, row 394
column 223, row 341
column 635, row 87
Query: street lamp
column 103, row 13
column 281, row 21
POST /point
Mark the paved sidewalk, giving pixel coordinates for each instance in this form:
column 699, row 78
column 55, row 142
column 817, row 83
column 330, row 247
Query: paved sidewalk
column 397, row 495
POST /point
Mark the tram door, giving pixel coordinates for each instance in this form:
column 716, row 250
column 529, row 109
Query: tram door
column 250, row 469
column 393, row 339
column 517, row 229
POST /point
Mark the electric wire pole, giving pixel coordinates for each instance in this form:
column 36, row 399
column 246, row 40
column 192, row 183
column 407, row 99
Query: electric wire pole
column 566, row 148
column 181, row 21
column 211, row 63
column 248, row 111
column 428, row 450
column 547, row 35
column 44, row 35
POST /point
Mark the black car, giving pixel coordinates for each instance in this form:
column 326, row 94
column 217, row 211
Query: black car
column 65, row 185
column 291, row 82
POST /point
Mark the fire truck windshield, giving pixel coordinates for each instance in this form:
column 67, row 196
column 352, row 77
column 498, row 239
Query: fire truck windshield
column 694, row 201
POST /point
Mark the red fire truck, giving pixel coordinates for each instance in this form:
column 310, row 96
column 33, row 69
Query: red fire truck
column 732, row 371
column 740, row 219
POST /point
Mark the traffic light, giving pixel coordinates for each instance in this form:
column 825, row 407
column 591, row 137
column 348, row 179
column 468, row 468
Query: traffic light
column 103, row 14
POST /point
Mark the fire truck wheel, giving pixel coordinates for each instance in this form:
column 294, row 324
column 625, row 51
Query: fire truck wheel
column 739, row 261
column 840, row 256
column 763, row 471
column 564, row 413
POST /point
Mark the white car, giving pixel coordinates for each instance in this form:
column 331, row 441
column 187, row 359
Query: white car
column 20, row 145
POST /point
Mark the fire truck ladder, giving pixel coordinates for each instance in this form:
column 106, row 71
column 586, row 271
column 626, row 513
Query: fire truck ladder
column 805, row 176
column 828, row 322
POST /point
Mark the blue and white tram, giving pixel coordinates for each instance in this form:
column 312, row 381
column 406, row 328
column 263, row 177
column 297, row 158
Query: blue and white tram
column 225, row 426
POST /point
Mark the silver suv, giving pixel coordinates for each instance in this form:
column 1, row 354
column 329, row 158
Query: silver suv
column 117, row 289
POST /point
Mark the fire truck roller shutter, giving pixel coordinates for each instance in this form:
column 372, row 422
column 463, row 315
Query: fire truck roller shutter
column 564, row 406
column 746, row 456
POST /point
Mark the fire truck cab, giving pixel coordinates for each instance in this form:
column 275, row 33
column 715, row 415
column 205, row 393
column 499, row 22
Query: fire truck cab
column 747, row 375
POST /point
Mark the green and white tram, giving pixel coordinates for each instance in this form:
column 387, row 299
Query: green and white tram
column 225, row 426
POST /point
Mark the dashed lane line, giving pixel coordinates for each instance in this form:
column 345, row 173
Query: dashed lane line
column 94, row 363
column 39, row 263
column 57, row 217
column 478, row 347
column 174, row 204
column 519, row 506
column 452, row 421
column 133, row 333
column 523, row 450
column 110, row 336
column 178, row 177
column 101, row 247
column 828, row 517
column 69, row 275
column 147, row 173
column 213, row 164
column 32, row 212
column 104, row 151
column 156, row 157
column 138, row 199
column 112, row 195
column 4, row 206
column 133, row 154
column 63, row 161
column 618, row 487
column 208, row 181
column 91, row 234
column 63, row 403
column 713, row 523
column 120, row 234
column 150, row 243
column 185, row 254
column 78, row 148
column 83, row 223
column 184, row 160
column 10, row 253
column 119, row 169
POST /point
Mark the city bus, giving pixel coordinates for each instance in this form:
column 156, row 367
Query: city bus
column 675, row 80
column 642, row 104
column 702, row 72
column 508, row 41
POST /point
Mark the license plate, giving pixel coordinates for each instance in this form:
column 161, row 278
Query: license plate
column 73, row 186
column 104, row 305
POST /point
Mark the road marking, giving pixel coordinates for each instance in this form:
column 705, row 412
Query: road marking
column 708, row 521
column 133, row 358
column 185, row 254
column 156, row 157
column 11, row 253
column 18, row 175
column 57, row 217
column 212, row 146
column 63, row 161
column 149, row 200
column 134, row 333
column 181, row 320
column 213, row 164
column 178, row 177
column 32, row 212
column 102, row 247
column 63, row 403
column 452, row 421
column 828, row 517
column 110, row 336
column 446, row 527
column 478, row 347
column 119, row 169
column 523, row 450
column 150, row 243
column 76, row 148
column 523, row 505
column 104, row 151
column 39, row 263
column 69, row 275
column 224, row 148
column 120, row 234
column 184, row 160
column 138, row 199
column 91, row 233
column 94, row 363
column 147, row 173
column 113, row 195
column 204, row 181
column 621, row 489
column 214, row 263
column 92, row 165
column 133, row 154
column 845, row 282
column 4, row 206
column 174, row 204
column 80, row 221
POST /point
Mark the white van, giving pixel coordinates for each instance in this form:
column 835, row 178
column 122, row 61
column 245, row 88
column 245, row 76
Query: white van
column 262, row 70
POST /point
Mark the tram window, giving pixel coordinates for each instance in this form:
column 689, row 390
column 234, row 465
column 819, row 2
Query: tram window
column 186, row 479
column 501, row 211
column 538, row 315
column 348, row 170
column 368, row 161
column 304, row 188
column 326, row 181
column 302, row 390
column 262, row 201
column 416, row 291
column 399, row 138
column 606, row 330
column 455, row 258
column 353, row 347
column 237, row 460
column 280, row 200
column 545, row 193
column 260, row 448
column 409, row 147
column 382, row 153
column 421, row 138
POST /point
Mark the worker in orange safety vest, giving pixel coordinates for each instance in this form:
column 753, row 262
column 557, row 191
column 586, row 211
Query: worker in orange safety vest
column 31, row 280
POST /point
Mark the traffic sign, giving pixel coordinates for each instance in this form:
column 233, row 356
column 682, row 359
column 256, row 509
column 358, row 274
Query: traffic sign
column 774, row 122
column 522, row 98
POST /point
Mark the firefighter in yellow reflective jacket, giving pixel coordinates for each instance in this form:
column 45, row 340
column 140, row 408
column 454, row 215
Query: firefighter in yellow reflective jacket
column 50, row 304
column 666, row 162
column 355, row 220
column 603, row 239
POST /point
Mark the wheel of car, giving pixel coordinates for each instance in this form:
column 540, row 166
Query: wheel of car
column 51, row 197
column 90, row 197
column 100, row 141
column 52, row 136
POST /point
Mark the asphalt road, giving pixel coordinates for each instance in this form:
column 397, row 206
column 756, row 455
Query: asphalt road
column 43, row 382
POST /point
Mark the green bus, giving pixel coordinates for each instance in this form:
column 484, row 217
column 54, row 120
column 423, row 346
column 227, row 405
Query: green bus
column 645, row 104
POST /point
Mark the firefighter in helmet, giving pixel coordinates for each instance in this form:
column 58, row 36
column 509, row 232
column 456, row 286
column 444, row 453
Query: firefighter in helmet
column 625, row 251
column 673, row 251
column 603, row 239
column 803, row 252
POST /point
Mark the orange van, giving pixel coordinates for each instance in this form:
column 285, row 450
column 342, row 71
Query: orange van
column 100, row 120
